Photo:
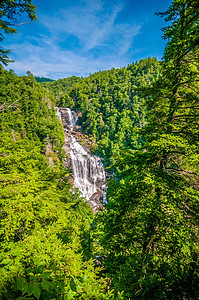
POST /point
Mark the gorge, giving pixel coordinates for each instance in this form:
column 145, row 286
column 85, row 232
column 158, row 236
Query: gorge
column 88, row 174
column 142, row 122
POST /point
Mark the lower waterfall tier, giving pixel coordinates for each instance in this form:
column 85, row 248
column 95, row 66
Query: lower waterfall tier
column 88, row 170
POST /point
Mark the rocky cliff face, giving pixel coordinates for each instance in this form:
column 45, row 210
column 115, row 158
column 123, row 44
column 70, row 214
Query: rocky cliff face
column 88, row 174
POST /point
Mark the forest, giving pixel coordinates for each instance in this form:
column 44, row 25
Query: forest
column 142, row 120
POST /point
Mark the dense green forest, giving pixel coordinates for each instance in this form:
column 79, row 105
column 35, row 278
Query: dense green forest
column 143, row 121
column 150, row 225
column 42, row 79
column 111, row 104
column 44, row 227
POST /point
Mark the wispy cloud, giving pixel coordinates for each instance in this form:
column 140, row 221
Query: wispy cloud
column 59, row 63
column 102, row 42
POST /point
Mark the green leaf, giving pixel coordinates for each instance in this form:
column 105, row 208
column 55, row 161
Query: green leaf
column 17, row 252
column 73, row 286
column 12, row 268
column 86, row 278
column 25, row 289
column 79, row 287
column 46, row 274
column 36, row 290
column 22, row 284
column 6, row 261
column 70, row 295
column 41, row 263
column 46, row 285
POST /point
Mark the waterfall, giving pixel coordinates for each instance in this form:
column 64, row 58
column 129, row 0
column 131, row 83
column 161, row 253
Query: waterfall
column 58, row 113
column 87, row 170
column 71, row 117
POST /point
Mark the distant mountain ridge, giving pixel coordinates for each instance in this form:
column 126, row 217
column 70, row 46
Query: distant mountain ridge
column 43, row 79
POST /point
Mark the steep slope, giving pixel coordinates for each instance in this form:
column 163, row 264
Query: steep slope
column 150, row 226
column 109, row 104
column 44, row 228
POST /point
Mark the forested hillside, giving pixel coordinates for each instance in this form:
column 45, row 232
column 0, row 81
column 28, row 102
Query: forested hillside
column 150, row 225
column 43, row 79
column 143, row 121
column 110, row 104
column 43, row 226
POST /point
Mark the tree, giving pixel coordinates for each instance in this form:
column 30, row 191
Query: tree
column 150, row 225
column 10, row 13
column 43, row 225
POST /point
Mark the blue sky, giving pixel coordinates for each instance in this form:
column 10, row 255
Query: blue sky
column 80, row 37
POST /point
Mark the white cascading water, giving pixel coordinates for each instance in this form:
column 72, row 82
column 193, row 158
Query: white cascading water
column 88, row 170
column 58, row 112
column 67, row 116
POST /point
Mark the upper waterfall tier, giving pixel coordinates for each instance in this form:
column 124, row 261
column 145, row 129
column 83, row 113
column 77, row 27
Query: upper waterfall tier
column 67, row 116
column 87, row 170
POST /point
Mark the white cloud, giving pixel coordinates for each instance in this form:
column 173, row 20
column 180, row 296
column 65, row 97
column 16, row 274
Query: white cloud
column 59, row 63
column 92, row 25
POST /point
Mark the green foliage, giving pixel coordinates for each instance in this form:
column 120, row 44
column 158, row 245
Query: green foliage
column 150, row 225
column 43, row 226
column 59, row 90
column 43, row 79
column 109, row 104
column 26, row 107
column 144, row 118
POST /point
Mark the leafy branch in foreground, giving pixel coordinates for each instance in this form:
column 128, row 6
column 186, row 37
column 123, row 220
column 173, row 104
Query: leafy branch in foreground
column 10, row 13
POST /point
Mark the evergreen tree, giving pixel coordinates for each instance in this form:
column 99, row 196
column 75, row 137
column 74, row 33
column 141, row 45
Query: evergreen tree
column 150, row 225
